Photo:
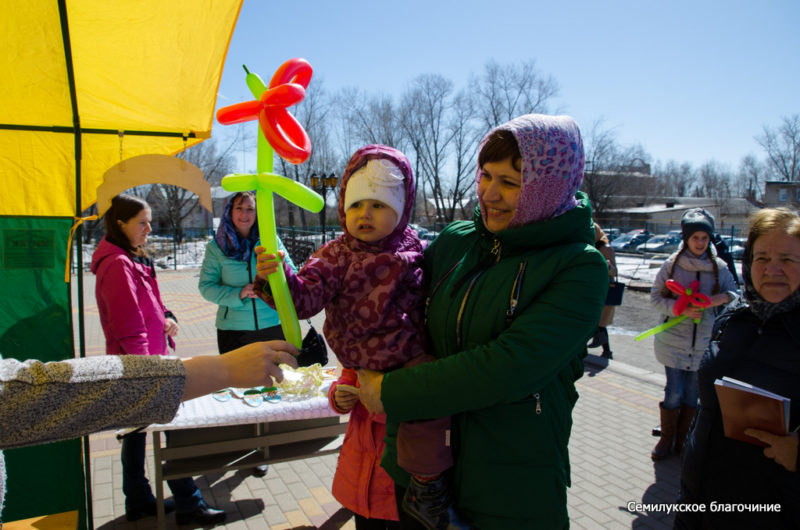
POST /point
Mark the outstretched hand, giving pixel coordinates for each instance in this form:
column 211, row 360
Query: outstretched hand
column 267, row 264
column 255, row 364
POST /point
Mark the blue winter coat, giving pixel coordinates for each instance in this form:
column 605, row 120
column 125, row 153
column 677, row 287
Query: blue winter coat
column 221, row 281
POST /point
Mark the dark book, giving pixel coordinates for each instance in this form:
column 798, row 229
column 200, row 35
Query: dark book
column 746, row 406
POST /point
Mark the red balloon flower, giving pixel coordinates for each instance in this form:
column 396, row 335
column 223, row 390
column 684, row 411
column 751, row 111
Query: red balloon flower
column 687, row 295
column 283, row 132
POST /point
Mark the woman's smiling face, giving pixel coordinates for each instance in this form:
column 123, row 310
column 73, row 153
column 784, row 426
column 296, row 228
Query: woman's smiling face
column 243, row 214
column 498, row 193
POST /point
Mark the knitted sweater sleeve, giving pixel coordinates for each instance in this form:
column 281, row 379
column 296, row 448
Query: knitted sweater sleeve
column 46, row 402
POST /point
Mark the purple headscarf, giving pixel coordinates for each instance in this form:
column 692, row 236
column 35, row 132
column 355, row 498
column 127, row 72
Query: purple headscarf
column 552, row 166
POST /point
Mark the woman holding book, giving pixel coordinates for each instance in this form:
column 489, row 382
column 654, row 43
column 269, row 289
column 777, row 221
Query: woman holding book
column 756, row 340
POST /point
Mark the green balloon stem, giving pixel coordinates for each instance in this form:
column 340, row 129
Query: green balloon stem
column 660, row 328
column 277, row 282
column 265, row 182
column 666, row 325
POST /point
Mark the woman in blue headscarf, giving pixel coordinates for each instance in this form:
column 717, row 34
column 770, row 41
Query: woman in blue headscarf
column 227, row 275
column 226, row 278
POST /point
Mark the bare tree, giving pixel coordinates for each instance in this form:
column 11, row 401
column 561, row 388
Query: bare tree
column 174, row 203
column 607, row 162
column 423, row 118
column 750, row 178
column 314, row 114
column 216, row 156
column 674, row 179
column 714, row 181
column 368, row 119
column 782, row 146
column 464, row 152
column 505, row 91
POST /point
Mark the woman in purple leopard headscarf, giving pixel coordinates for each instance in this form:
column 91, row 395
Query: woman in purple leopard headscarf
column 369, row 282
column 515, row 294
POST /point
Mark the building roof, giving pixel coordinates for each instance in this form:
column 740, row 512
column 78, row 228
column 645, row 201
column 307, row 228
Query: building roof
column 731, row 206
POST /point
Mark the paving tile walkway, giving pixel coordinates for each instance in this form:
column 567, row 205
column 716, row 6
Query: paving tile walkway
column 609, row 447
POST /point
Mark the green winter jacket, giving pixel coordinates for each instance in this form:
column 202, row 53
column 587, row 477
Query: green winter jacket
column 508, row 320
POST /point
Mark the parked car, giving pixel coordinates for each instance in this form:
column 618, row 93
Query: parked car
column 612, row 233
column 736, row 246
column 628, row 242
column 661, row 244
column 639, row 231
column 423, row 233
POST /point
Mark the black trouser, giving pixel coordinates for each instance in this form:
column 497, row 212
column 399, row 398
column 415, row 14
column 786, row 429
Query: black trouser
column 230, row 339
column 362, row 523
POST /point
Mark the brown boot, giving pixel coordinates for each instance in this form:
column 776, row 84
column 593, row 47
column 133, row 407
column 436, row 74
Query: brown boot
column 669, row 423
column 684, row 422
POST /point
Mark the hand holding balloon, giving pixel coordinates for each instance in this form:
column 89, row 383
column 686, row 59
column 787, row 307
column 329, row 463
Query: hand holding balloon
column 690, row 304
column 267, row 264
column 688, row 298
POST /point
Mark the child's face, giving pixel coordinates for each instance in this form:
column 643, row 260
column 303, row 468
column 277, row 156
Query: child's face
column 698, row 243
column 370, row 220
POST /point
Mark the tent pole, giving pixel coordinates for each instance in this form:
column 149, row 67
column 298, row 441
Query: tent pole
column 76, row 123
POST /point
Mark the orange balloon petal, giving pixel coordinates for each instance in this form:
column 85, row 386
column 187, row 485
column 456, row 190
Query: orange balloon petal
column 239, row 112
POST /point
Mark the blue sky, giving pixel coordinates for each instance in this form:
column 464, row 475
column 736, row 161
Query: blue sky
column 688, row 80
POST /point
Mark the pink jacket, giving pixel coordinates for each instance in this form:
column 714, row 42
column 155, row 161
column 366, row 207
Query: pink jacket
column 360, row 484
column 131, row 311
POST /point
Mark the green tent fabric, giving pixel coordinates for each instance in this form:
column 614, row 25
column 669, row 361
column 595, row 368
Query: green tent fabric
column 85, row 84
column 35, row 322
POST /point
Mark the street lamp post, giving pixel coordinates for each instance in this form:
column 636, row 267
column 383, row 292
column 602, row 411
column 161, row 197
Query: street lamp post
column 323, row 183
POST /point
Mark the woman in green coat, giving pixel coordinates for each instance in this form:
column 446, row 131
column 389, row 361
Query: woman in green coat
column 514, row 296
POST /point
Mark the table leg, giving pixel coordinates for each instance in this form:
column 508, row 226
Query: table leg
column 159, row 475
column 263, row 428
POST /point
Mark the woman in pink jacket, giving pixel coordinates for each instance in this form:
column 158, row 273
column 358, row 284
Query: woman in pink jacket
column 135, row 322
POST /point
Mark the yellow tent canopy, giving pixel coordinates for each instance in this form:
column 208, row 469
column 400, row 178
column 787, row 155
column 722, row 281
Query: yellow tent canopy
column 86, row 83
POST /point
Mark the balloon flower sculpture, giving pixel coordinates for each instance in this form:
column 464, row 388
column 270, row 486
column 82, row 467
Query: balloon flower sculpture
column 686, row 296
column 280, row 131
